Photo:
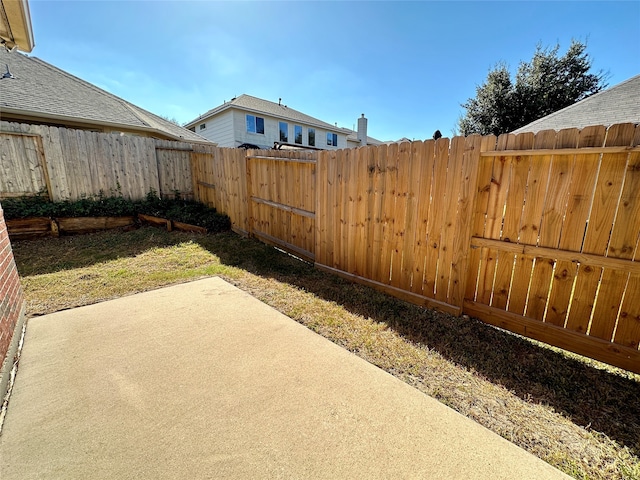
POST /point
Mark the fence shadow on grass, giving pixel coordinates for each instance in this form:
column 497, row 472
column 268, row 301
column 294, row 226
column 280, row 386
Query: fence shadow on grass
column 77, row 251
column 606, row 402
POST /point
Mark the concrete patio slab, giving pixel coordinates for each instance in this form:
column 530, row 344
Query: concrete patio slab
column 201, row 380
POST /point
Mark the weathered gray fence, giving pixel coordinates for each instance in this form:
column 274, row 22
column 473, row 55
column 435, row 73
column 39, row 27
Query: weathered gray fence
column 65, row 163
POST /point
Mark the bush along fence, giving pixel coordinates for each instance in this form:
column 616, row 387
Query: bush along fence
column 29, row 217
column 537, row 234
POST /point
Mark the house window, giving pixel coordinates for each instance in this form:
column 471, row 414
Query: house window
column 255, row 124
column 332, row 139
column 203, row 126
column 284, row 132
column 298, row 134
column 312, row 137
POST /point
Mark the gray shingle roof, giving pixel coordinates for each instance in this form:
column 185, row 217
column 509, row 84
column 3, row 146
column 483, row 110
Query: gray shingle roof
column 352, row 136
column 258, row 105
column 618, row 104
column 41, row 88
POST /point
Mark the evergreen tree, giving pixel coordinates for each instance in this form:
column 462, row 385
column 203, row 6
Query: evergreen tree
column 542, row 86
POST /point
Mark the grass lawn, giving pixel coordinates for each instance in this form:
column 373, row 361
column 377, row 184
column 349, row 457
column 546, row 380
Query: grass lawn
column 579, row 415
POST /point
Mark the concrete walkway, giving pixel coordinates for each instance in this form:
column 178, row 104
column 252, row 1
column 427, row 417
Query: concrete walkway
column 201, row 380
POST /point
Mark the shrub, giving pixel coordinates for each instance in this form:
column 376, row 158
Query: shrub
column 185, row 211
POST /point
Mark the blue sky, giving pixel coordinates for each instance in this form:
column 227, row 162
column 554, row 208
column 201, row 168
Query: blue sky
column 407, row 65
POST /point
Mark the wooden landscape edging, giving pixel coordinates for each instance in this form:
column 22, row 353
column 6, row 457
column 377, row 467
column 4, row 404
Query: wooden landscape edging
column 25, row 228
column 34, row 227
column 92, row 224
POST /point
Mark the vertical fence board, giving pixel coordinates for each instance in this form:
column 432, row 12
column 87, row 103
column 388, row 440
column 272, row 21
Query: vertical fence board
column 583, row 184
column 462, row 228
column 436, row 220
column 564, row 272
column 507, row 297
column 512, row 186
column 378, row 213
column 349, row 238
column 543, row 268
column 370, row 210
column 424, row 153
column 388, row 219
column 446, row 254
column 362, row 199
column 601, row 223
column 401, row 213
column 498, row 190
column 478, row 220
column 412, row 219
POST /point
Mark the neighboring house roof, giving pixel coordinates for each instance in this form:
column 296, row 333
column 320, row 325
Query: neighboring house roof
column 258, row 105
column 44, row 92
column 352, row 136
column 618, row 104
column 401, row 140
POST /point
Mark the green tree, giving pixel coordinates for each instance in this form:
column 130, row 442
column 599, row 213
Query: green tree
column 173, row 120
column 542, row 86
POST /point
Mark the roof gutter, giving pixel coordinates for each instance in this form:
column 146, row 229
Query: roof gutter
column 73, row 120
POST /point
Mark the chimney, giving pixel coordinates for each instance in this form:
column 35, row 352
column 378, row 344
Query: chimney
column 362, row 130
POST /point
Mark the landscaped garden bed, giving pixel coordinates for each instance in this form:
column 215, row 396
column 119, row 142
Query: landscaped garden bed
column 31, row 217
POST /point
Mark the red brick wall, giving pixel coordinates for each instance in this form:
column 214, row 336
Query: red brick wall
column 11, row 295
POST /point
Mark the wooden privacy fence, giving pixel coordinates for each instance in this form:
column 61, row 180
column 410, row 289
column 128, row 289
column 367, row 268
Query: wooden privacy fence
column 66, row 163
column 537, row 234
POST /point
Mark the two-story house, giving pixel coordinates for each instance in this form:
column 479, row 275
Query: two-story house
column 252, row 121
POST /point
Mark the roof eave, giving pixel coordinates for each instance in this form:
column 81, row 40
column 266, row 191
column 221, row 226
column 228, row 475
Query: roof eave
column 229, row 105
column 19, row 19
column 98, row 123
column 209, row 114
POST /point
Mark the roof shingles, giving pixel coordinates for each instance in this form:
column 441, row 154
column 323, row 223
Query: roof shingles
column 247, row 102
column 41, row 88
column 618, row 104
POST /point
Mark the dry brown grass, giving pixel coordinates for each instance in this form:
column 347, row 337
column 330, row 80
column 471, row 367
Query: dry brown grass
column 579, row 415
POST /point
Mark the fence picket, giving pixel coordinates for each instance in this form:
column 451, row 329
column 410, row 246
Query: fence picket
column 436, row 220
column 564, row 272
column 583, row 183
column 401, row 214
column 601, row 222
column 424, row 153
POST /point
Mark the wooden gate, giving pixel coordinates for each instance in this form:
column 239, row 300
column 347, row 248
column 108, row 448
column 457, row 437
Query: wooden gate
column 23, row 170
column 174, row 170
column 281, row 189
